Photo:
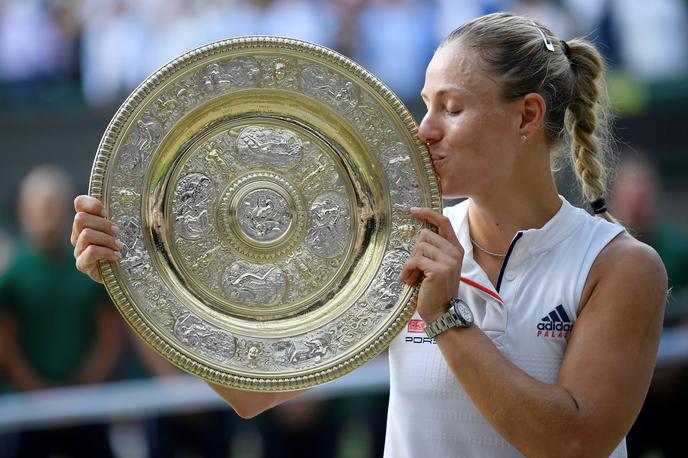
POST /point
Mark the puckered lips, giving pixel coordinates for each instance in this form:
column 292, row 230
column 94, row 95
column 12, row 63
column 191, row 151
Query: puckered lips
column 437, row 159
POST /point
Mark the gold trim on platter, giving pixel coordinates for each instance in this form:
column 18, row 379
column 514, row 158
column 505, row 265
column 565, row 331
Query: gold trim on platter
column 262, row 189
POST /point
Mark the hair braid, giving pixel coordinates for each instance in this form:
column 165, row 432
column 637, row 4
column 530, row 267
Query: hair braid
column 586, row 121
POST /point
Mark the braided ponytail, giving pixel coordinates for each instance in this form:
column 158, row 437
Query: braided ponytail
column 587, row 124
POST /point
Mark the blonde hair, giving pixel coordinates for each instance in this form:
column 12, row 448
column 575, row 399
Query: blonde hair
column 526, row 57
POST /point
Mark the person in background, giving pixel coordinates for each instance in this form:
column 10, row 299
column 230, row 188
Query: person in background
column 634, row 198
column 56, row 328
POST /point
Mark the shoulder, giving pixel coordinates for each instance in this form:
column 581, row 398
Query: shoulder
column 630, row 272
column 629, row 258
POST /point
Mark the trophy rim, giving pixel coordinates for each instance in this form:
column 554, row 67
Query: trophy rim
column 126, row 305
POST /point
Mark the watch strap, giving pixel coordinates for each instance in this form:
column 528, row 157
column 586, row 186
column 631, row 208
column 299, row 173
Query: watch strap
column 449, row 319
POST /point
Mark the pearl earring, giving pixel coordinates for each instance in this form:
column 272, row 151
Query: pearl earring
column 524, row 137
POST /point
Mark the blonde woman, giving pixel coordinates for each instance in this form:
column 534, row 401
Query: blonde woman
column 541, row 321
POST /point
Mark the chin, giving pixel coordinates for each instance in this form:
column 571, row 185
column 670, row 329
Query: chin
column 450, row 191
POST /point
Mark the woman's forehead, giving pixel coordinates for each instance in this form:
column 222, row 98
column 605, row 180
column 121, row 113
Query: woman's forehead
column 455, row 68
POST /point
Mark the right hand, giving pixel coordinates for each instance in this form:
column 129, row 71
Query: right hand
column 93, row 236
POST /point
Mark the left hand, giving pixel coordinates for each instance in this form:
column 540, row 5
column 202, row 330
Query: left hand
column 437, row 257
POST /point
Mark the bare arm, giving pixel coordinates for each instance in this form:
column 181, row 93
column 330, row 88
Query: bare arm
column 248, row 404
column 606, row 369
column 93, row 237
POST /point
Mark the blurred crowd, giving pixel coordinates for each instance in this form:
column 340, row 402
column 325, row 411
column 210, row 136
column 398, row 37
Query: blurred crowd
column 57, row 328
column 109, row 46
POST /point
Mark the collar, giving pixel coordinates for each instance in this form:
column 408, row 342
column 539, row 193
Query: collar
column 531, row 242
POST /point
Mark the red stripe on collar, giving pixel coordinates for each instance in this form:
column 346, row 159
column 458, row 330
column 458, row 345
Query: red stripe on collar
column 482, row 288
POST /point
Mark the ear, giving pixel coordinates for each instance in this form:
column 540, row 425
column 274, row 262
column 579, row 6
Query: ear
column 533, row 110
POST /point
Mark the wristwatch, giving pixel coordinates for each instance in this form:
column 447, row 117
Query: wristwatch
column 459, row 315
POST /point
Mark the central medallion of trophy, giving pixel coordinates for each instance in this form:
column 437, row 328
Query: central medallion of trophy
column 264, row 215
column 273, row 230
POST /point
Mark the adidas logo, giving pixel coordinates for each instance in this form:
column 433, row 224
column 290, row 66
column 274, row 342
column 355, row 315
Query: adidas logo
column 556, row 324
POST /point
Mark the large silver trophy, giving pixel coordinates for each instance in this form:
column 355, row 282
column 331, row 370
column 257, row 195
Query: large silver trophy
column 262, row 188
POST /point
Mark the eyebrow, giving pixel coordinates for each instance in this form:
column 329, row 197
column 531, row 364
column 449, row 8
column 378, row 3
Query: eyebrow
column 444, row 91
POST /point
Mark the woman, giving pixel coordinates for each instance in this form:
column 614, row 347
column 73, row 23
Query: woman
column 555, row 318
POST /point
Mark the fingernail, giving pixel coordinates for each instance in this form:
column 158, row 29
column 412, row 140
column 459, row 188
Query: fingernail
column 115, row 229
column 118, row 254
column 103, row 213
column 415, row 209
column 119, row 244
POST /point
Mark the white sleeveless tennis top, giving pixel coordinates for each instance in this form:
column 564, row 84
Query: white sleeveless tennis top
column 528, row 316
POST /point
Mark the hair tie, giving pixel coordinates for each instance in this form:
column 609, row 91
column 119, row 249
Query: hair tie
column 567, row 49
column 598, row 206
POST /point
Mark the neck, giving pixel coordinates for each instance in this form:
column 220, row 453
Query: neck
column 494, row 220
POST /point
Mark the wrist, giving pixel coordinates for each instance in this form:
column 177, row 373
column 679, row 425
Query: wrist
column 430, row 316
column 457, row 315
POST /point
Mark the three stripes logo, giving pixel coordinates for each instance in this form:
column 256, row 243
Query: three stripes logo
column 556, row 324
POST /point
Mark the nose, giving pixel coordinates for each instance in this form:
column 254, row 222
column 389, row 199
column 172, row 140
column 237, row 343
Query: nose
column 428, row 130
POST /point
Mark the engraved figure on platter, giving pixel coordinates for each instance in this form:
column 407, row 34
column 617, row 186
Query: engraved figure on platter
column 313, row 349
column 132, row 158
column 172, row 103
column 341, row 93
column 278, row 147
column 387, row 286
column 330, row 223
column 135, row 259
column 278, row 73
column 239, row 72
column 316, row 349
column 254, row 284
column 194, row 195
column 213, row 77
column 148, row 133
column 197, row 334
column 139, row 146
column 186, row 92
column 264, row 215
column 169, row 107
column 404, row 188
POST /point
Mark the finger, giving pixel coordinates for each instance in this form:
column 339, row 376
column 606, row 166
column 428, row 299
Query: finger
column 430, row 251
column 83, row 220
column 93, row 237
column 417, row 266
column 422, row 264
column 89, row 204
column 415, row 277
column 453, row 250
column 89, row 258
column 410, row 275
column 95, row 275
column 444, row 227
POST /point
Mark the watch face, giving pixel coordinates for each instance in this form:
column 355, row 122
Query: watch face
column 464, row 312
